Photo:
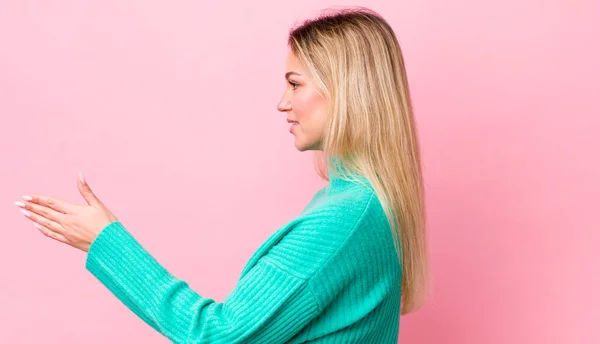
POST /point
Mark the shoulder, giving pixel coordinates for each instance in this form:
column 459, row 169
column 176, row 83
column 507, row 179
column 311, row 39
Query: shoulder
column 346, row 208
column 333, row 224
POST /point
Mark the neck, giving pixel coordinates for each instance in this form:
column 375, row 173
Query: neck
column 340, row 177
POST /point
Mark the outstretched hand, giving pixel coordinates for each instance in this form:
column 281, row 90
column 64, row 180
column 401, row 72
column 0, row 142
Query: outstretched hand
column 72, row 224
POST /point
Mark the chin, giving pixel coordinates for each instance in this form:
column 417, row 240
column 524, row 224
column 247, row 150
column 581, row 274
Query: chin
column 302, row 146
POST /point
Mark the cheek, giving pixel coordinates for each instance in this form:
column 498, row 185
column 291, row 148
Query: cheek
column 306, row 106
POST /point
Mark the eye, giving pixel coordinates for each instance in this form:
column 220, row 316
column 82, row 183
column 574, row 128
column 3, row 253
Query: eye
column 294, row 85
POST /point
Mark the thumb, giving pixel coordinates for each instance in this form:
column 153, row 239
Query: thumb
column 86, row 192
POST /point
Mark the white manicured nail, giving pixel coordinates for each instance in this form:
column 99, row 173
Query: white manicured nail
column 27, row 198
column 25, row 212
column 20, row 204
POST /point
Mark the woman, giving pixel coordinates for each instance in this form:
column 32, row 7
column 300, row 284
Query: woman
column 350, row 263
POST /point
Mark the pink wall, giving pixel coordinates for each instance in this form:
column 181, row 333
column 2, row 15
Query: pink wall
column 170, row 112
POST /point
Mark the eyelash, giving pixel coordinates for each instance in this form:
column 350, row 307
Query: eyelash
column 293, row 84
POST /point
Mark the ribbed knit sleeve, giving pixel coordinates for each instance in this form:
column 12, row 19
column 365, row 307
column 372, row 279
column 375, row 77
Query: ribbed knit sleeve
column 267, row 305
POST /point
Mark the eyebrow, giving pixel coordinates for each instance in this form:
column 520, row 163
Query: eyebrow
column 290, row 73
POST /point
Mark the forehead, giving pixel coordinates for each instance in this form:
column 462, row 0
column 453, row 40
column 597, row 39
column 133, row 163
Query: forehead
column 293, row 63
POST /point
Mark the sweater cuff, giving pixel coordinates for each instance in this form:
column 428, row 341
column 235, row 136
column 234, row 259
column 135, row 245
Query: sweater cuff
column 116, row 257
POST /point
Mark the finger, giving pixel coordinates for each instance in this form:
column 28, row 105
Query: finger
column 43, row 211
column 50, row 234
column 52, row 202
column 49, row 224
column 86, row 191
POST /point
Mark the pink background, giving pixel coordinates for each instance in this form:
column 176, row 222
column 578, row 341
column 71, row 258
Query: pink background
column 169, row 109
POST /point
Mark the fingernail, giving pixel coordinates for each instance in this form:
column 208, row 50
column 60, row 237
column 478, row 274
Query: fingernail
column 20, row 204
column 37, row 225
column 25, row 212
column 81, row 178
column 27, row 198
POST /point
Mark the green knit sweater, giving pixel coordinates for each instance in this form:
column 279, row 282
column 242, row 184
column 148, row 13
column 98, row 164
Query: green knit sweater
column 330, row 275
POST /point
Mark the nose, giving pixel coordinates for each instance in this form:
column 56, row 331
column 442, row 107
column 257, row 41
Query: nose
column 284, row 105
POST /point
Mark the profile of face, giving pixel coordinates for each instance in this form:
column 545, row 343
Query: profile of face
column 303, row 105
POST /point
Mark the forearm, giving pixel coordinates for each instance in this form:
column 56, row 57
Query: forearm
column 267, row 304
column 143, row 285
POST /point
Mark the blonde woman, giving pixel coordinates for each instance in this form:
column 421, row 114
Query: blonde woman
column 355, row 258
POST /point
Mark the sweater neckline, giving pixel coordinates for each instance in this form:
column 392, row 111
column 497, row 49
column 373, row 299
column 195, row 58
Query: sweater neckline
column 342, row 182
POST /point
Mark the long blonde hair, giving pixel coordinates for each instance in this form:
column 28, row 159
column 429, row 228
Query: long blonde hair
column 354, row 58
